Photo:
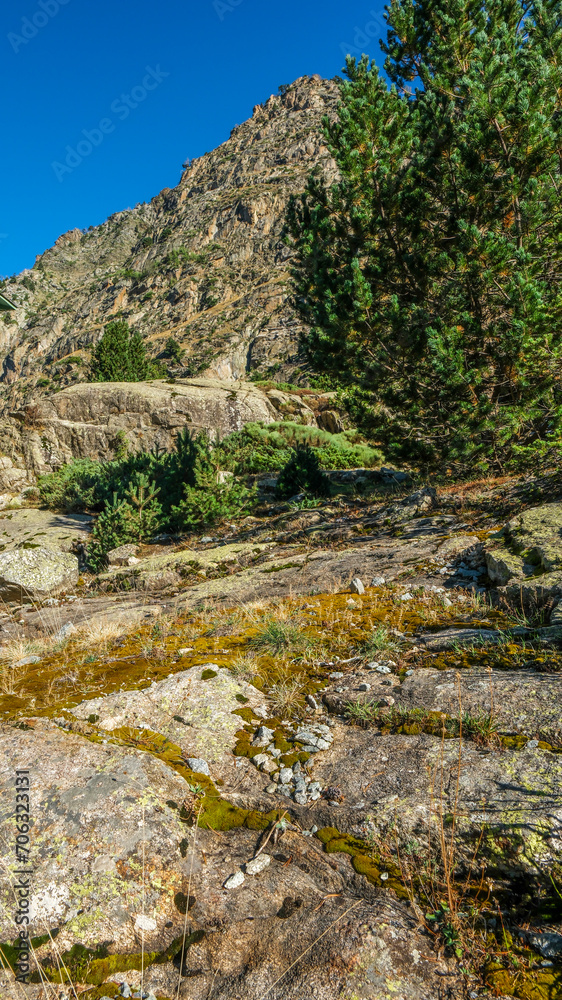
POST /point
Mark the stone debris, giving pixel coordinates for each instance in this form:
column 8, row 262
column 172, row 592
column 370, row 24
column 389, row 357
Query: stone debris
column 198, row 765
column 292, row 782
column 235, row 881
column 357, row 586
column 263, row 737
column 257, row 865
column 27, row 659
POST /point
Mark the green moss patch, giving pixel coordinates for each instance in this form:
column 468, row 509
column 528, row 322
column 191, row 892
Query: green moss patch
column 215, row 813
column 87, row 965
column 534, row 984
column 363, row 860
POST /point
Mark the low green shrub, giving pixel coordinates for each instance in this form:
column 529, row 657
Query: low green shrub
column 72, row 487
column 267, row 448
column 210, row 501
column 143, row 493
column 183, row 487
column 302, row 474
column 136, row 517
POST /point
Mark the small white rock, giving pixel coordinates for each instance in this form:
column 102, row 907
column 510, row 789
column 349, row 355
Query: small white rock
column 257, row 865
column 198, row 765
column 234, row 881
column 263, row 737
column 407, row 596
column 357, row 586
column 27, row 659
column 144, row 923
column 185, row 650
column 64, row 632
column 260, row 759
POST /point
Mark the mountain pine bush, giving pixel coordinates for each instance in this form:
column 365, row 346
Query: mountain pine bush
column 145, row 493
column 120, row 356
column 430, row 273
column 302, row 474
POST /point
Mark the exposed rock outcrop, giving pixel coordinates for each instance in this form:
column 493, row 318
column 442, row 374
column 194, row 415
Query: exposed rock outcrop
column 89, row 419
column 524, row 560
column 36, row 573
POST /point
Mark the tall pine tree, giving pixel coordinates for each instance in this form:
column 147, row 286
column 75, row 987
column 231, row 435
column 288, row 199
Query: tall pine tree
column 430, row 273
column 120, row 356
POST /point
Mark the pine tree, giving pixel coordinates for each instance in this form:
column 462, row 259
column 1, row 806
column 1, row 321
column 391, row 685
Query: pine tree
column 431, row 271
column 120, row 356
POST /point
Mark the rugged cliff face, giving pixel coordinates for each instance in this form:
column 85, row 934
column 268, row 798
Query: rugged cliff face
column 204, row 263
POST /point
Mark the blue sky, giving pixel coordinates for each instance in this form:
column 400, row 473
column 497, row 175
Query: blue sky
column 105, row 99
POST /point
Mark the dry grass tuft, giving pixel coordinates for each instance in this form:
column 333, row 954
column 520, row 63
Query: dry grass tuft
column 99, row 633
column 286, row 696
column 245, row 667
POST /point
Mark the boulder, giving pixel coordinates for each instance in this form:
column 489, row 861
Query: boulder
column 524, row 559
column 195, row 714
column 330, row 420
column 122, row 554
column 36, row 573
column 458, row 546
column 89, row 419
column 92, row 808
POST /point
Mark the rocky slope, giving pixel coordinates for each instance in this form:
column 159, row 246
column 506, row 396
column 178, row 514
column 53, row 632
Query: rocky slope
column 251, row 777
column 204, row 263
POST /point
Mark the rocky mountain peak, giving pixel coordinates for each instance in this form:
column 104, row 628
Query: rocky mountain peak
column 204, row 262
